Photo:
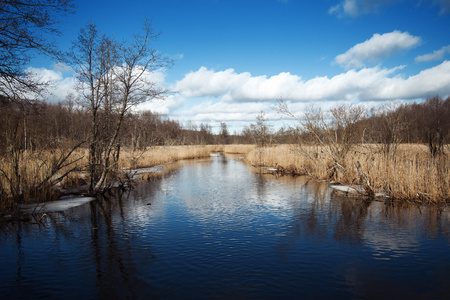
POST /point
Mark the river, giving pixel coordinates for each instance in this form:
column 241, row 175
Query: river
column 216, row 228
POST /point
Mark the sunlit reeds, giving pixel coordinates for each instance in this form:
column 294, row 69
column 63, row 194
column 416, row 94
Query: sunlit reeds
column 22, row 182
column 238, row 149
column 410, row 175
column 160, row 155
column 32, row 175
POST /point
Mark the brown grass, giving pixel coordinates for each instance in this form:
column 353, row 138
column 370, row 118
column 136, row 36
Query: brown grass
column 238, row 149
column 410, row 175
column 34, row 167
column 33, row 178
column 163, row 154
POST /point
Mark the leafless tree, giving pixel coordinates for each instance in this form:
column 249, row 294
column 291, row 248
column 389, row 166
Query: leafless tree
column 435, row 124
column 34, row 156
column 114, row 78
column 224, row 135
column 205, row 134
column 388, row 127
column 24, row 30
column 336, row 131
column 260, row 131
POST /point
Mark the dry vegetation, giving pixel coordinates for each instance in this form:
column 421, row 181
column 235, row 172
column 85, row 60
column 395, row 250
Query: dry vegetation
column 411, row 175
column 160, row 155
column 38, row 172
column 238, row 149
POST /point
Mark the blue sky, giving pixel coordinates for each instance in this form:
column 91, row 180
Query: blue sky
column 234, row 58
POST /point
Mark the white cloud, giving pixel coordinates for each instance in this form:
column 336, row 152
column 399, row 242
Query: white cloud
column 236, row 98
column 212, row 97
column 367, row 84
column 62, row 67
column 59, row 86
column 62, row 82
column 208, row 82
column 436, row 55
column 164, row 106
column 376, row 48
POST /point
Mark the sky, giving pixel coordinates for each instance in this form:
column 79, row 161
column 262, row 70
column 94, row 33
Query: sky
column 234, row 58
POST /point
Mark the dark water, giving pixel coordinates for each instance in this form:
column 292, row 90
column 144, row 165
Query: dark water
column 215, row 229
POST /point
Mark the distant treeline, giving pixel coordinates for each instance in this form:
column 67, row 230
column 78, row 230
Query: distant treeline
column 40, row 125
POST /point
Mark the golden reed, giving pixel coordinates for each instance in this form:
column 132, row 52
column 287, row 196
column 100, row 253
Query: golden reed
column 410, row 175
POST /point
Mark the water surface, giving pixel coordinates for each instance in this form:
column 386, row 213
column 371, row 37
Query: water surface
column 217, row 229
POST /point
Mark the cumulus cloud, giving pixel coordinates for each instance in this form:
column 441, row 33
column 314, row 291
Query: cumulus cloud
column 163, row 106
column 232, row 86
column 379, row 46
column 366, row 84
column 436, row 55
column 62, row 67
column 59, row 85
column 212, row 97
column 236, row 98
column 62, row 81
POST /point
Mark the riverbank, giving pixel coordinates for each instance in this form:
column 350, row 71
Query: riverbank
column 411, row 175
column 34, row 180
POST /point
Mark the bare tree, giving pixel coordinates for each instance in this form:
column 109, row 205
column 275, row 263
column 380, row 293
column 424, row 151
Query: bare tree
column 388, row 127
column 435, row 125
column 114, row 78
column 24, row 29
column 33, row 157
column 261, row 131
column 224, row 135
column 336, row 132
column 205, row 134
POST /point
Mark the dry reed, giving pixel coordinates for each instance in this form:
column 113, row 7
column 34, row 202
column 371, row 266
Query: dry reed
column 410, row 175
column 32, row 175
column 21, row 186
column 238, row 149
column 160, row 155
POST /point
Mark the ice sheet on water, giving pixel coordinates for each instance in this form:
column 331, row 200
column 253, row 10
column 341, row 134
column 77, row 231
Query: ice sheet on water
column 63, row 204
column 344, row 188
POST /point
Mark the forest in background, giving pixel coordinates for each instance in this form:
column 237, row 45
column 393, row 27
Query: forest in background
column 38, row 125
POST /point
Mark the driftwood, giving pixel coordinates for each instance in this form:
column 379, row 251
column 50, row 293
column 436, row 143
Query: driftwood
column 364, row 180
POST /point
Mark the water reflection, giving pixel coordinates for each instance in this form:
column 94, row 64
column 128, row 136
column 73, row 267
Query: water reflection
column 213, row 228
